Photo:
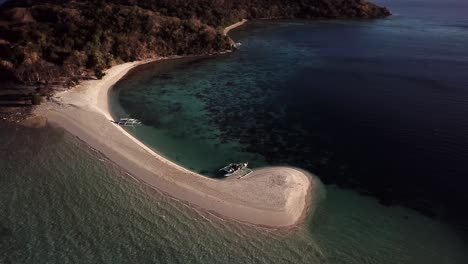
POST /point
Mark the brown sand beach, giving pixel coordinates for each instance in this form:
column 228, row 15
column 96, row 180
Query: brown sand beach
column 273, row 196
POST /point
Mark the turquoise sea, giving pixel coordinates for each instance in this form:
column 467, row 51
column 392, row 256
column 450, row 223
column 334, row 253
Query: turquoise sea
column 348, row 100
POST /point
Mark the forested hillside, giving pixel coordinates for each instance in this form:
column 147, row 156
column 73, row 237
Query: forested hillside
column 47, row 42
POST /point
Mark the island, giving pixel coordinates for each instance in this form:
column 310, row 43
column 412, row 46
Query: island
column 70, row 53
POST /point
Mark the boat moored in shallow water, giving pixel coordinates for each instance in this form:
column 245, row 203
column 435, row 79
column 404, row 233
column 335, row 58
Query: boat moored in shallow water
column 239, row 169
column 129, row 122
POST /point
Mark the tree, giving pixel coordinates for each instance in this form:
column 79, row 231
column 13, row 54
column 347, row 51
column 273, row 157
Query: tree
column 36, row 99
column 99, row 73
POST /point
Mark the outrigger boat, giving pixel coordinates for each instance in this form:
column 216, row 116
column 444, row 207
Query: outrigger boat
column 236, row 169
column 129, row 122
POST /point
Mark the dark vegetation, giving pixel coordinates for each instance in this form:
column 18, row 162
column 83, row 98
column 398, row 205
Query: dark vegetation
column 36, row 99
column 47, row 44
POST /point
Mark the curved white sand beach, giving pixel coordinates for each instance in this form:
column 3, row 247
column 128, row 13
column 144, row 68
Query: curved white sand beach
column 233, row 26
column 273, row 197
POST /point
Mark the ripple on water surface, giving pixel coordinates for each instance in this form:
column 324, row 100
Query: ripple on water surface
column 62, row 202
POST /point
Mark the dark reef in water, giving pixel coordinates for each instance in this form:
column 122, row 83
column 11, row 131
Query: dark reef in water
column 268, row 132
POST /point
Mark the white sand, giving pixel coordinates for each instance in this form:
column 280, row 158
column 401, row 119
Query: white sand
column 233, row 26
column 273, row 197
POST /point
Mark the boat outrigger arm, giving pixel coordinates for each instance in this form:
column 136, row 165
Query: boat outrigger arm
column 239, row 169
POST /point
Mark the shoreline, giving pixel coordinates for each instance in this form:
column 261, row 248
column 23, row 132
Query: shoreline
column 233, row 26
column 274, row 197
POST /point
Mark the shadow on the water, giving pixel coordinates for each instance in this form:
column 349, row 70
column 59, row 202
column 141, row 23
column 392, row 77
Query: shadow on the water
column 9, row 247
column 213, row 174
column 5, row 232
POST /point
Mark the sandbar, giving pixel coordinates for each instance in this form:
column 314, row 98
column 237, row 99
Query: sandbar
column 270, row 197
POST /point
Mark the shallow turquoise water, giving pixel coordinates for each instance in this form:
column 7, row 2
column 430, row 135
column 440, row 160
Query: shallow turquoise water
column 181, row 128
column 62, row 202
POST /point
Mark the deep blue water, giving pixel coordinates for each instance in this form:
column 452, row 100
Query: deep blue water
column 377, row 106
